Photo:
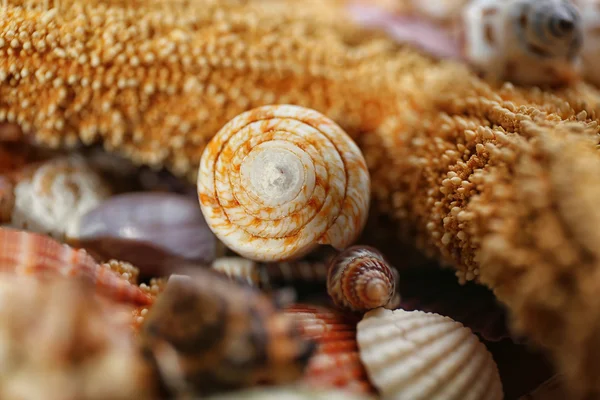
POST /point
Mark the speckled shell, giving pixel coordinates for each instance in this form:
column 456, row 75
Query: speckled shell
column 271, row 275
column 290, row 393
column 336, row 363
column 523, row 40
column 590, row 14
column 26, row 253
column 414, row 355
column 278, row 180
column 208, row 334
column 55, row 194
column 360, row 279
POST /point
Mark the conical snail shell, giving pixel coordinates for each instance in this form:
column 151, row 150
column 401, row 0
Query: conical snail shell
column 526, row 41
column 277, row 181
column 414, row 355
column 359, row 279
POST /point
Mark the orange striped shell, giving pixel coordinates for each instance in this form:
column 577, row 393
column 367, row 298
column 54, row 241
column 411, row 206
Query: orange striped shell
column 360, row 279
column 26, row 253
column 336, row 362
column 278, row 180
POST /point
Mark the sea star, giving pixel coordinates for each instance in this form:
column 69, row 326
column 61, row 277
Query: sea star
column 490, row 180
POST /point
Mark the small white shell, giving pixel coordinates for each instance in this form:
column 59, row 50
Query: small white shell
column 55, row 196
column 531, row 42
column 278, row 180
column 414, row 355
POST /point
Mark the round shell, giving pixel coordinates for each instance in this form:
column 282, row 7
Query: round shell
column 278, row 180
column 526, row 41
column 55, row 196
column 26, row 253
column 422, row 356
column 360, row 279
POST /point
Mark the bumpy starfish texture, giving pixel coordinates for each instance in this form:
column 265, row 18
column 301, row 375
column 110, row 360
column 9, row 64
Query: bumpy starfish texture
column 497, row 182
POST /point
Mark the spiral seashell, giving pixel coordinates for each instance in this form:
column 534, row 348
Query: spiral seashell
column 335, row 363
column 56, row 193
column 278, row 180
column 590, row 14
column 207, row 334
column 422, row 356
column 149, row 230
column 359, row 279
column 26, row 253
column 532, row 42
column 271, row 275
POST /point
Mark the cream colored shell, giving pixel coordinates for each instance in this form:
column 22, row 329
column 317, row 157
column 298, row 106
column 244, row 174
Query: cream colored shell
column 55, row 196
column 519, row 40
column 413, row 355
column 590, row 13
column 278, row 180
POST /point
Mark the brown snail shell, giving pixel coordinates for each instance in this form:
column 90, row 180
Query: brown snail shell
column 277, row 181
column 360, row 279
column 207, row 334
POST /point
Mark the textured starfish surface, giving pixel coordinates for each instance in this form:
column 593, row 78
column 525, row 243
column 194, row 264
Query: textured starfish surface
column 498, row 182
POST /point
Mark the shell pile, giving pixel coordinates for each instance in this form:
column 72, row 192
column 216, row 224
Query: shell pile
column 286, row 191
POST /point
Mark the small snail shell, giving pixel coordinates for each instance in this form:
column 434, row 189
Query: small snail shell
column 277, row 181
column 526, row 41
column 359, row 279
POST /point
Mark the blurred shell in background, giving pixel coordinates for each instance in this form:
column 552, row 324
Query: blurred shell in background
column 207, row 334
column 336, row 363
column 414, row 355
column 60, row 341
column 152, row 230
column 36, row 255
column 290, row 393
column 53, row 195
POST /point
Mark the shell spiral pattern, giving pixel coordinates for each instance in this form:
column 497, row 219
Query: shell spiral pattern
column 360, row 279
column 416, row 355
column 277, row 181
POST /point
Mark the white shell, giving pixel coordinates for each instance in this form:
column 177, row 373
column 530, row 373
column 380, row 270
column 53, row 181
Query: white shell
column 590, row 13
column 501, row 39
column 56, row 195
column 412, row 355
column 277, row 181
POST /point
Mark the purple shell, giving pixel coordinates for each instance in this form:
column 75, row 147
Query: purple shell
column 151, row 230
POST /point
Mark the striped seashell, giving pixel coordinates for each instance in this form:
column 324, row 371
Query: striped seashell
column 271, row 275
column 360, row 279
column 335, row 363
column 207, row 334
column 416, row 355
column 533, row 42
column 590, row 14
column 290, row 393
column 52, row 196
column 277, row 181
column 27, row 253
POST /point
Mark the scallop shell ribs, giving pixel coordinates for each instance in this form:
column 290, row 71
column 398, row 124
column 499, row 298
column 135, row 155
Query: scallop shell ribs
column 277, row 181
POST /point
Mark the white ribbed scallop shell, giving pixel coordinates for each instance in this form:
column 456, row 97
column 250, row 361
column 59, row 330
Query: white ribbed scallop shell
column 278, row 180
column 55, row 196
column 414, row 355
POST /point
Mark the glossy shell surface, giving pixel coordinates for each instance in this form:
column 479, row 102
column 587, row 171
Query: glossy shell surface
column 360, row 279
column 26, row 253
column 278, row 180
column 416, row 355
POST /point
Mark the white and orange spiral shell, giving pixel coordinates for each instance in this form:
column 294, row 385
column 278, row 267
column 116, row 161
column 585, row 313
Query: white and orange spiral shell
column 360, row 279
column 278, row 180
